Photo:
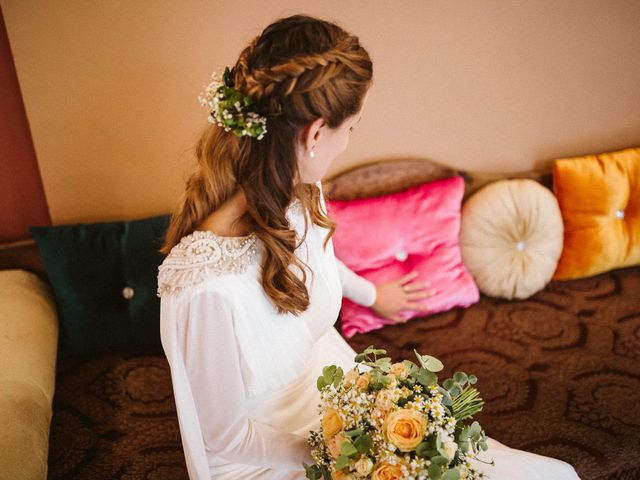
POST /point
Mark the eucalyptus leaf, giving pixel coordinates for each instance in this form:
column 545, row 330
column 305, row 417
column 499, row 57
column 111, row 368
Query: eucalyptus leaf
column 347, row 448
column 422, row 450
column 475, row 429
column 312, row 472
column 451, row 474
column 342, row 461
column 473, row 379
column 337, row 377
column 448, row 383
column 446, row 398
column 435, row 471
column 384, row 364
column 410, row 365
column 440, row 460
column 455, row 390
column 460, row 377
column 432, row 363
column 363, row 443
column 321, row 383
column 427, row 378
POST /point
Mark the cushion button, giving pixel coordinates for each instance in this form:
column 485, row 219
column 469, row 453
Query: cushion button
column 620, row 214
column 127, row 292
column 521, row 245
column 402, row 255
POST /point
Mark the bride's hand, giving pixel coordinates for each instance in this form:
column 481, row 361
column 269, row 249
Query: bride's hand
column 399, row 294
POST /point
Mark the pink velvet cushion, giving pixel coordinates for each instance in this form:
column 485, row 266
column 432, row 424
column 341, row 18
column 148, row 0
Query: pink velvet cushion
column 383, row 238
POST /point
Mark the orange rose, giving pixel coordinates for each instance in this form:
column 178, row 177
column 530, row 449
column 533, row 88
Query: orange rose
column 387, row 471
column 363, row 381
column 351, row 376
column 331, row 423
column 342, row 475
column 334, row 444
column 405, row 428
column 400, row 370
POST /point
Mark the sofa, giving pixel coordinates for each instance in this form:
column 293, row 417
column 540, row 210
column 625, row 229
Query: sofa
column 559, row 371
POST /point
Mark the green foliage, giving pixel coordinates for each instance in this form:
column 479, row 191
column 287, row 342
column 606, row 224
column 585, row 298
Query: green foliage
column 363, row 443
column 330, row 375
column 451, row 474
column 426, row 377
column 348, row 449
column 343, row 461
column 313, row 472
column 428, row 362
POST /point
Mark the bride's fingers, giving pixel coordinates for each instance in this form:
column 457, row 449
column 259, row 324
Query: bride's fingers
column 405, row 278
column 419, row 295
column 417, row 306
column 413, row 287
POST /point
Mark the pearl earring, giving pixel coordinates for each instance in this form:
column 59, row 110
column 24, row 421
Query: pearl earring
column 312, row 154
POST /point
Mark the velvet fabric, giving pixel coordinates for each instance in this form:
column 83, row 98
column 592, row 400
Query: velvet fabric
column 28, row 337
column 511, row 237
column 382, row 238
column 599, row 197
column 104, row 276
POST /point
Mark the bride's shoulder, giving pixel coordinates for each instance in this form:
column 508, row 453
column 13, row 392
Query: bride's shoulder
column 203, row 254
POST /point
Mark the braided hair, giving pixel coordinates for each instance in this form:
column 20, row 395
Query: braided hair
column 300, row 68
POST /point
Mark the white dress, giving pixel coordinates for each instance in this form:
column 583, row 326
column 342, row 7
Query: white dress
column 244, row 376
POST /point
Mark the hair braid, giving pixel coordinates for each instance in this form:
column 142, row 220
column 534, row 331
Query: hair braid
column 301, row 74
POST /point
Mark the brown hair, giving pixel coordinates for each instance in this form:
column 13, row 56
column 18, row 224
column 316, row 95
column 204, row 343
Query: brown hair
column 298, row 69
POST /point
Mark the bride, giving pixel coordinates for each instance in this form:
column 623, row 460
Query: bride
column 250, row 287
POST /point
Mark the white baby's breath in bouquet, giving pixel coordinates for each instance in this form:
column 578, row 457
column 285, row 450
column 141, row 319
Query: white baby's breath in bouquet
column 394, row 421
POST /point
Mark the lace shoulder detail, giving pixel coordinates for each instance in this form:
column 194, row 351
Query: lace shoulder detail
column 204, row 253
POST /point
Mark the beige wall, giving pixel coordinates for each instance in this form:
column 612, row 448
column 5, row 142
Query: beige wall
column 111, row 87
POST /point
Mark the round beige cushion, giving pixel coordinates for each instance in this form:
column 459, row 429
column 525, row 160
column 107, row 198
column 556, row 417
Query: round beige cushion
column 511, row 237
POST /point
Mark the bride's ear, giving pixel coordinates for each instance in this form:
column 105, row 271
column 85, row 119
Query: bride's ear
column 311, row 133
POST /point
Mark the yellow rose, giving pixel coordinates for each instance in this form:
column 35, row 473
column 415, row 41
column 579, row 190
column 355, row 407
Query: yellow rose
column 334, row 444
column 351, row 376
column 385, row 399
column 387, row 471
column 405, row 428
column 331, row 423
column 363, row 381
column 400, row 370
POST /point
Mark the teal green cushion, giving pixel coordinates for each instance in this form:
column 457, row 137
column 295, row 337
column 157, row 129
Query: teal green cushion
column 104, row 277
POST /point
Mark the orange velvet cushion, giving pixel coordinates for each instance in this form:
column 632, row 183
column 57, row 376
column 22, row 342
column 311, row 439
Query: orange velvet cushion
column 599, row 197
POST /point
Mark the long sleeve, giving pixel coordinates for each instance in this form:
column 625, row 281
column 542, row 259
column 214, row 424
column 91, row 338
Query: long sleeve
column 356, row 288
column 212, row 361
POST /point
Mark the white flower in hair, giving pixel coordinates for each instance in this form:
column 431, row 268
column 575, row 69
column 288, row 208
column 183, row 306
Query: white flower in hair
column 230, row 109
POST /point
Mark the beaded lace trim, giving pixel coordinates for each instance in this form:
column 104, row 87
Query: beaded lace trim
column 204, row 253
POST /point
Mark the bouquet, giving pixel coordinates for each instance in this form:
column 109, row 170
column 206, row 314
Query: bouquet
column 394, row 421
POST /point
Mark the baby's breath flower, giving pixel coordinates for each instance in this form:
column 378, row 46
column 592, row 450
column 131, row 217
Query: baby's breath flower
column 230, row 109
